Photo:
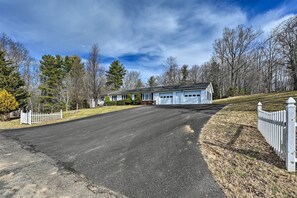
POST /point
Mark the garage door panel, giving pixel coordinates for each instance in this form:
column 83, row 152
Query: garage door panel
column 191, row 97
column 166, row 98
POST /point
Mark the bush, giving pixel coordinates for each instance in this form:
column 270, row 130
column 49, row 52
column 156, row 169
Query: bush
column 129, row 99
column 85, row 104
column 232, row 91
column 107, row 99
column 8, row 103
column 110, row 103
column 121, row 102
column 138, row 99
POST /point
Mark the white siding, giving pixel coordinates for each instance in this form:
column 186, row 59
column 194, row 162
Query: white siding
column 156, row 97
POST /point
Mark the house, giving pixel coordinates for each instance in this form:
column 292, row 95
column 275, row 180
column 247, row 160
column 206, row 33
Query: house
column 200, row 93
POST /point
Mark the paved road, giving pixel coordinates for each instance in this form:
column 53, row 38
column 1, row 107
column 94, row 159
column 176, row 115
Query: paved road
column 142, row 152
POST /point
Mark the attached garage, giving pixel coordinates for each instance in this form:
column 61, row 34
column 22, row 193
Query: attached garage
column 192, row 97
column 166, row 98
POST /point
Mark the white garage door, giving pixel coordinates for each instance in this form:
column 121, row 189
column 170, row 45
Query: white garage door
column 166, row 98
column 191, row 97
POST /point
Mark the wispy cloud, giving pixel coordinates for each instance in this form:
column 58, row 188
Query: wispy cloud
column 139, row 33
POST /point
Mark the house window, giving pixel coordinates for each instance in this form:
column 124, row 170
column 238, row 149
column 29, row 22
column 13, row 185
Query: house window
column 124, row 97
column 114, row 98
column 147, row 96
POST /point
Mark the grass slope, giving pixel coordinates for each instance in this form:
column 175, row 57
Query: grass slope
column 69, row 115
column 241, row 161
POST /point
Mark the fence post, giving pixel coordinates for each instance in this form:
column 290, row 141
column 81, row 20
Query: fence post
column 258, row 109
column 290, row 134
column 61, row 113
column 29, row 117
column 21, row 116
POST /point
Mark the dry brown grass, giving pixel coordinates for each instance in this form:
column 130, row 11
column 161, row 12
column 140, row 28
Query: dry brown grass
column 69, row 115
column 241, row 161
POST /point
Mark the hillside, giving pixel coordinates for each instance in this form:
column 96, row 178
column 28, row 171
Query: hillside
column 241, row 161
column 271, row 101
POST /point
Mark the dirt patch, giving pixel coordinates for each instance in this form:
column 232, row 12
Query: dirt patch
column 33, row 174
column 240, row 160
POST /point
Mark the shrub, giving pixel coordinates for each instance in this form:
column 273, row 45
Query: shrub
column 121, row 102
column 107, row 99
column 85, row 104
column 8, row 103
column 110, row 103
column 129, row 99
column 232, row 91
column 138, row 99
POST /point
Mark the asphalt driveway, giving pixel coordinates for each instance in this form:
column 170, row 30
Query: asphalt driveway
column 142, row 152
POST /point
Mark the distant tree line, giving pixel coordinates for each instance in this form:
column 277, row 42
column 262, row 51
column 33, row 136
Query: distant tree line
column 244, row 61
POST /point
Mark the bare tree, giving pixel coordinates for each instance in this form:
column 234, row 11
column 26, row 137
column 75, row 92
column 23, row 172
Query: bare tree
column 195, row 74
column 172, row 75
column 233, row 49
column 131, row 80
column 286, row 37
column 95, row 74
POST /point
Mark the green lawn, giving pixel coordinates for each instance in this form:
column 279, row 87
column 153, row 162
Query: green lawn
column 241, row 161
column 69, row 115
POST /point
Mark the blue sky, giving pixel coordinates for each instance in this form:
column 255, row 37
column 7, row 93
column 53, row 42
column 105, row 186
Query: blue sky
column 140, row 33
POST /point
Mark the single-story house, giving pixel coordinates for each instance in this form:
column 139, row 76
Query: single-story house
column 200, row 93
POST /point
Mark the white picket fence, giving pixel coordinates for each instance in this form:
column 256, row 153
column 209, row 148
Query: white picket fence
column 279, row 130
column 33, row 118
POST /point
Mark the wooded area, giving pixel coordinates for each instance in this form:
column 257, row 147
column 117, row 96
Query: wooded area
column 244, row 61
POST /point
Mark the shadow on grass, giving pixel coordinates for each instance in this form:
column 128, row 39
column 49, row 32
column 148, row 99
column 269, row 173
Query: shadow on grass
column 270, row 157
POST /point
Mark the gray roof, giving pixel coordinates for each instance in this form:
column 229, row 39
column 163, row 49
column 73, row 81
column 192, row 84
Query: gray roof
column 199, row 86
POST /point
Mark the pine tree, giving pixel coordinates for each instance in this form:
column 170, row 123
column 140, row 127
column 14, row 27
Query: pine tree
column 76, row 74
column 11, row 81
column 185, row 74
column 115, row 75
column 152, row 81
column 51, row 78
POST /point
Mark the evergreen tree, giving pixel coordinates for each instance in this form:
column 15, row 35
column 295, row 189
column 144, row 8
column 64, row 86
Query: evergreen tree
column 152, row 81
column 11, row 81
column 115, row 75
column 138, row 99
column 139, row 84
column 185, row 74
column 128, row 101
column 76, row 74
column 52, row 73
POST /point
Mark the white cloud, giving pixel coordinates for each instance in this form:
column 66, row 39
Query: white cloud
column 183, row 29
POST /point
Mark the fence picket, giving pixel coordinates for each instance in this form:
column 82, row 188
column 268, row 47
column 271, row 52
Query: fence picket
column 280, row 132
column 37, row 117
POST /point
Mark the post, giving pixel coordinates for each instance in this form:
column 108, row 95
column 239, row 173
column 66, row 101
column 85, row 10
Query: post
column 29, row 117
column 258, row 109
column 61, row 112
column 290, row 136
